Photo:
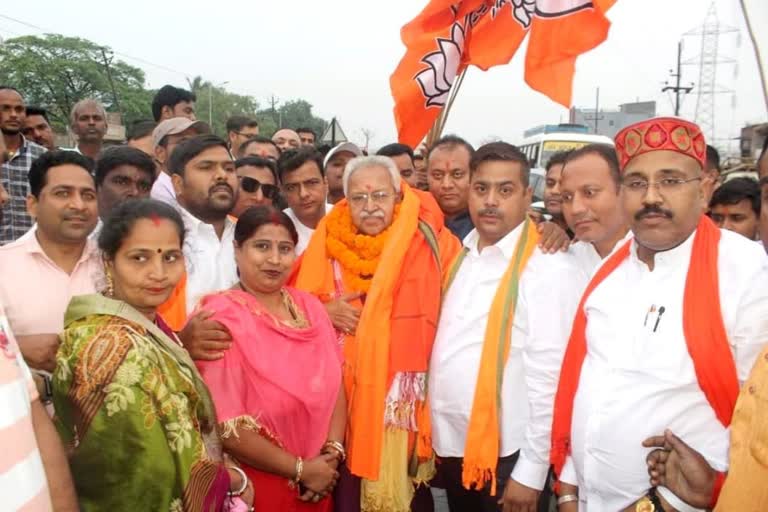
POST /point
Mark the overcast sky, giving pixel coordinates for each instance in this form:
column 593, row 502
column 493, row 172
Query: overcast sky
column 338, row 55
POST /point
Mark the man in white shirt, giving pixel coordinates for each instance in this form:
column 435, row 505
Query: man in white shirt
column 165, row 137
column 335, row 162
column 542, row 293
column 589, row 189
column 304, row 189
column 206, row 185
column 669, row 326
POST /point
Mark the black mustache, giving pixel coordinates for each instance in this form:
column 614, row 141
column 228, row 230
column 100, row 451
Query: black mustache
column 221, row 185
column 489, row 212
column 653, row 210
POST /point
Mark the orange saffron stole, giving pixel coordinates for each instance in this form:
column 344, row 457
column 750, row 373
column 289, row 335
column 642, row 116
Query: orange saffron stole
column 174, row 310
column 705, row 337
column 481, row 453
column 396, row 328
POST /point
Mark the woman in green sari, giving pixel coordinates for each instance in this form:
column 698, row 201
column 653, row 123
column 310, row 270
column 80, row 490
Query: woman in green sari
column 130, row 403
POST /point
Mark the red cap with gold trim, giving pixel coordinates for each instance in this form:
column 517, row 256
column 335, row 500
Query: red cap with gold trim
column 661, row 133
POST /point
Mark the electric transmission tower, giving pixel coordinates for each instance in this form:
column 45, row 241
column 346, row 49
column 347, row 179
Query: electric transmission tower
column 709, row 33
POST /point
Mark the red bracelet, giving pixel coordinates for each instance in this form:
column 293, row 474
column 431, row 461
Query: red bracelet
column 716, row 488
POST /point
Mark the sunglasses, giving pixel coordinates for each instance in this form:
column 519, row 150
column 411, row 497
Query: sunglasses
column 252, row 185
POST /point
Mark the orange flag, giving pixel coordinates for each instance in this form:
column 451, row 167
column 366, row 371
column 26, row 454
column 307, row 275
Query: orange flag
column 449, row 35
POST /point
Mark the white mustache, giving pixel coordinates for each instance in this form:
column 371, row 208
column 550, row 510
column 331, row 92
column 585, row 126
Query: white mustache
column 377, row 214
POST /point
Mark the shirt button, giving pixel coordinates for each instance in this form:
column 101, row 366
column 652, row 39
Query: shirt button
column 752, row 389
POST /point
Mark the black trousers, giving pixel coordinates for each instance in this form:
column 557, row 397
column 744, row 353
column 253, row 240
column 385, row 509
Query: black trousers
column 463, row 500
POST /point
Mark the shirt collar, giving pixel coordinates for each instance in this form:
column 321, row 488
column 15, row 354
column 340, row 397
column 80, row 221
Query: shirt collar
column 192, row 223
column 677, row 256
column 506, row 245
column 32, row 246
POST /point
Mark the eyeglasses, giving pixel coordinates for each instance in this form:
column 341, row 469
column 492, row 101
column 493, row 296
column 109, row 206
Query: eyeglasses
column 640, row 186
column 378, row 198
column 252, row 185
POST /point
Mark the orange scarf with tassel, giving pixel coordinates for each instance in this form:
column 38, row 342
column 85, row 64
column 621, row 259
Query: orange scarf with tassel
column 705, row 337
column 481, row 452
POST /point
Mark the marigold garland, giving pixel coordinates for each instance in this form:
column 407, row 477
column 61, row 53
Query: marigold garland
column 357, row 254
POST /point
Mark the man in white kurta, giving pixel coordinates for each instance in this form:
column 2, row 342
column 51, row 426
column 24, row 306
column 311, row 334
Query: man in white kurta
column 638, row 375
column 549, row 289
column 590, row 186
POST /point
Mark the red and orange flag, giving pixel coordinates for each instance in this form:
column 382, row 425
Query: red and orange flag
column 449, row 35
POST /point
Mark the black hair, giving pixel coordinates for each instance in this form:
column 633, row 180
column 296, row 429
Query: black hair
column 737, row 190
column 451, row 141
column 292, row 159
column 504, row 152
column 253, row 218
column 256, row 139
column 38, row 111
column 604, row 151
column 324, row 149
column 140, row 129
column 558, row 158
column 713, row 158
column 257, row 161
column 118, row 224
column 190, row 148
column 418, row 156
column 116, row 156
column 305, row 129
column 237, row 123
column 38, row 171
column 170, row 96
column 396, row 149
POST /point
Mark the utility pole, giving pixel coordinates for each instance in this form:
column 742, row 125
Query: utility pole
column 597, row 117
column 677, row 88
column 109, row 77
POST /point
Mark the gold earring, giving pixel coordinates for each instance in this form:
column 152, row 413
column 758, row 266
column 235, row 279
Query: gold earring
column 110, row 284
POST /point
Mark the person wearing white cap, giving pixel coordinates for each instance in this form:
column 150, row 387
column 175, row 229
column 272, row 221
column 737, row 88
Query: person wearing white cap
column 335, row 162
column 165, row 137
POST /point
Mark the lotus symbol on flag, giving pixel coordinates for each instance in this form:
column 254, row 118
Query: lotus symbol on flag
column 524, row 11
column 436, row 80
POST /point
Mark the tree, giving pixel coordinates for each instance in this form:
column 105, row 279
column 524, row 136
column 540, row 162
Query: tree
column 291, row 114
column 224, row 104
column 56, row 71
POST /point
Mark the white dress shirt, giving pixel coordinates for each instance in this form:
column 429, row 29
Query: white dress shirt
column 162, row 189
column 304, row 231
column 550, row 288
column 638, row 378
column 210, row 262
column 587, row 257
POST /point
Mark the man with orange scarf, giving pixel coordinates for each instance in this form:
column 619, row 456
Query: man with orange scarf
column 669, row 326
column 382, row 251
column 503, row 329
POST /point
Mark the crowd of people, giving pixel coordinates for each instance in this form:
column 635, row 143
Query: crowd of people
column 196, row 323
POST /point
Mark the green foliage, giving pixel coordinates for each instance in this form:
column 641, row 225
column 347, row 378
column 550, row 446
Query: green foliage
column 224, row 104
column 291, row 114
column 56, row 72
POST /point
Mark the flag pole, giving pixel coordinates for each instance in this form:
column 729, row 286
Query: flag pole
column 437, row 128
column 760, row 67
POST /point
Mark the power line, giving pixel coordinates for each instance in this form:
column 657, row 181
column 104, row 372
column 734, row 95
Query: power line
column 124, row 55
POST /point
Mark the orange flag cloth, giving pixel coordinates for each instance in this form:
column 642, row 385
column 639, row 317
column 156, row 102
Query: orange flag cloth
column 447, row 36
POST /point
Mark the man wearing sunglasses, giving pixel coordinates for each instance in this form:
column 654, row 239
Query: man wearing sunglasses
column 258, row 183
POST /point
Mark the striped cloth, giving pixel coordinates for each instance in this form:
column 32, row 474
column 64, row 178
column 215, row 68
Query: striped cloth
column 15, row 221
column 23, row 484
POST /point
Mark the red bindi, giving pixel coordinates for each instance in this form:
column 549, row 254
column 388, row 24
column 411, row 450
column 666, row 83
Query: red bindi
column 155, row 218
column 274, row 217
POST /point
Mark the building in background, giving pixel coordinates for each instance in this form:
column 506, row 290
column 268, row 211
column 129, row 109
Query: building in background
column 752, row 139
column 609, row 122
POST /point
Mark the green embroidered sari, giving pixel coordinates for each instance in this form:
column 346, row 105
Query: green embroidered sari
column 134, row 413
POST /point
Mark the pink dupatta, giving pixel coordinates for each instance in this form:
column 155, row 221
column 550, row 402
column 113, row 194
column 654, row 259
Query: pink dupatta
column 278, row 380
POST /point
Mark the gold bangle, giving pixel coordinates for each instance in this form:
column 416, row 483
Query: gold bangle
column 299, row 470
column 338, row 447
